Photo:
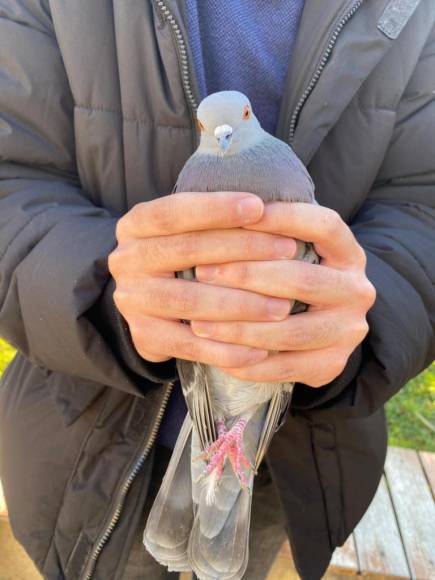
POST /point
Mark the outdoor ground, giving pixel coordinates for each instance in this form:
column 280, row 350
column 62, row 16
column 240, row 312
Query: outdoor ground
column 411, row 413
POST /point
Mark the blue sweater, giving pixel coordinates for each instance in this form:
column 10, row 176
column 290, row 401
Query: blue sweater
column 243, row 45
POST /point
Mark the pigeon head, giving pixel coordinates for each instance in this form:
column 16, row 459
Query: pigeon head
column 227, row 124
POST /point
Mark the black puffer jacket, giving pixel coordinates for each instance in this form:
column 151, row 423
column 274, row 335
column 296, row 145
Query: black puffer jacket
column 97, row 101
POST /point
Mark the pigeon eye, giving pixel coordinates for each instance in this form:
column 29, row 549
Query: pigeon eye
column 246, row 113
column 200, row 125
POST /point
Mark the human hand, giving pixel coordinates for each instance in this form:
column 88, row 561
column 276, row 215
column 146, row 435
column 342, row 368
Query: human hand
column 177, row 232
column 316, row 344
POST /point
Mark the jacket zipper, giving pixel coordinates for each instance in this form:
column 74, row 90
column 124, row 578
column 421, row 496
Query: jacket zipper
column 323, row 61
column 92, row 561
column 183, row 62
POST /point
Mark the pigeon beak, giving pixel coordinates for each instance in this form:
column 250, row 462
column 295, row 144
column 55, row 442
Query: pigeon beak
column 224, row 135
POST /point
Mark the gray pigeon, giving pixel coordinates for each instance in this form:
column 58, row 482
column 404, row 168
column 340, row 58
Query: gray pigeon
column 200, row 517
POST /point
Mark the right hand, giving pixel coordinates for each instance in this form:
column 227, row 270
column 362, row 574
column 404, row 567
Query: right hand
column 178, row 232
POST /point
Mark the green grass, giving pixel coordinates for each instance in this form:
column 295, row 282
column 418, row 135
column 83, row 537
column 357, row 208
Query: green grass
column 411, row 413
column 6, row 354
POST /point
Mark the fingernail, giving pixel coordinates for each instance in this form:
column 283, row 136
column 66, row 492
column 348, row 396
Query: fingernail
column 203, row 329
column 206, row 273
column 278, row 309
column 250, row 209
column 285, row 248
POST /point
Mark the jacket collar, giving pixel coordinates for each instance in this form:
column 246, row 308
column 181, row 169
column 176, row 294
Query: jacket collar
column 358, row 46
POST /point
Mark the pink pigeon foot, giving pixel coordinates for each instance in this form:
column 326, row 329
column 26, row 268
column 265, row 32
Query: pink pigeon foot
column 228, row 445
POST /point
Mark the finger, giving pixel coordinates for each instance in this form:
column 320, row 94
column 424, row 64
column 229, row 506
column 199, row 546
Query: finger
column 184, row 212
column 332, row 238
column 155, row 358
column 182, row 251
column 314, row 368
column 158, row 340
column 310, row 283
column 307, row 331
column 182, row 299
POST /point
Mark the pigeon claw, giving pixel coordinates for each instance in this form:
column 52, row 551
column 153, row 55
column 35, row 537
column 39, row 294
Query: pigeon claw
column 228, row 446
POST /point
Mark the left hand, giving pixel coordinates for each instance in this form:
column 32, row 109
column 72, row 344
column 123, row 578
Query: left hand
column 315, row 345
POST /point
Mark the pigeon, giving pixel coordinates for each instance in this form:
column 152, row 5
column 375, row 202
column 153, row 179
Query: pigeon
column 200, row 518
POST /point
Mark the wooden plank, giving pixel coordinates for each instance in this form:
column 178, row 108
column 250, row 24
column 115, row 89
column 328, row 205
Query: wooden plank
column 428, row 461
column 378, row 540
column 283, row 568
column 345, row 559
column 414, row 508
column 344, row 563
column 286, row 552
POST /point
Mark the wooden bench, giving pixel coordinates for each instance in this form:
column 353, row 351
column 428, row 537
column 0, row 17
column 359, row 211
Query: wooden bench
column 395, row 539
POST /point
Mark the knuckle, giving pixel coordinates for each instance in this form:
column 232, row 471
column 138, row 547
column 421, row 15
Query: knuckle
column 323, row 331
column 183, row 299
column 239, row 303
column 121, row 227
column 136, row 334
column 306, row 278
column 150, row 250
column 365, row 292
column 128, row 223
column 120, row 260
column 321, row 380
column 120, row 297
column 113, row 262
column 294, row 335
column 338, row 365
column 145, row 336
column 187, row 349
column 188, row 246
column 153, row 253
column 238, row 334
column 140, row 339
column 316, row 377
column 333, row 368
column 364, row 328
column 255, row 307
column 332, row 222
column 361, row 329
column 326, row 331
column 250, row 242
column 371, row 294
column 240, row 274
column 222, row 302
column 284, row 372
column 158, row 299
column 163, row 213
column 317, row 382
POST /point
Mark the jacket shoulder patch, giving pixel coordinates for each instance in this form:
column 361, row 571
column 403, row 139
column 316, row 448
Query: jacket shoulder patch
column 395, row 16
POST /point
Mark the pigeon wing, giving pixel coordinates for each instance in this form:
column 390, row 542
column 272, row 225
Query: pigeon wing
column 195, row 388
